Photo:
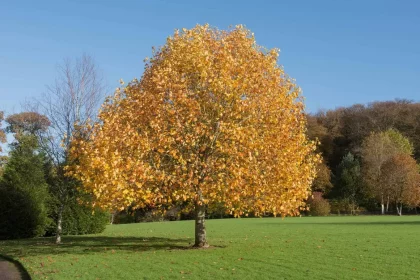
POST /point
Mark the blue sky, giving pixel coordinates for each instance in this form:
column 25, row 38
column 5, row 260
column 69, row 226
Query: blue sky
column 339, row 52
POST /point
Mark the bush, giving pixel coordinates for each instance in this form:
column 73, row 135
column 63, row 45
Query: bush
column 82, row 219
column 147, row 214
column 318, row 206
column 79, row 219
column 345, row 207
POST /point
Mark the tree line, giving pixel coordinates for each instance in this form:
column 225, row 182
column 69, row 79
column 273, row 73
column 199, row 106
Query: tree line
column 370, row 156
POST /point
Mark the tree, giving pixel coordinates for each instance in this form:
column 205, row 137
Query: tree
column 401, row 142
column 376, row 150
column 318, row 206
column 318, row 132
column 213, row 119
column 349, row 181
column 23, row 192
column 2, row 132
column 348, row 127
column 402, row 178
column 3, row 161
column 73, row 98
column 29, row 122
column 322, row 182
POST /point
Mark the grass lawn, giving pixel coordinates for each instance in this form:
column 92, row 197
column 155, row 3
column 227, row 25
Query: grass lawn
column 363, row 247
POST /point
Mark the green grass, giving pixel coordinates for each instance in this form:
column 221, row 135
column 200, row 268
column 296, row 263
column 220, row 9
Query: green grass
column 362, row 247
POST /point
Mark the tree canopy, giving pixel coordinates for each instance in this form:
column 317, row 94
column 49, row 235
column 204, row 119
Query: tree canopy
column 2, row 132
column 213, row 119
column 30, row 122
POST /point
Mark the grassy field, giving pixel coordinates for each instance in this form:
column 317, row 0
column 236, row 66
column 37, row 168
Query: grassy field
column 363, row 247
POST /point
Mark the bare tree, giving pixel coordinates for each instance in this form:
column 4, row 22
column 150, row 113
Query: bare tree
column 74, row 98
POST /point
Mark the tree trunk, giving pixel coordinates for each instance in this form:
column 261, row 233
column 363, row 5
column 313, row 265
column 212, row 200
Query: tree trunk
column 200, row 227
column 112, row 217
column 59, row 224
column 382, row 206
column 399, row 209
column 387, row 204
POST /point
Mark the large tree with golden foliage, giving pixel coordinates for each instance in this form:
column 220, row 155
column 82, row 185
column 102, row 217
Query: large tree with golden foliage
column 213, row 119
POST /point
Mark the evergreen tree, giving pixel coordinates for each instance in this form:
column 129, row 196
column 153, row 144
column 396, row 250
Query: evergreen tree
column 24, row 192
column 349, row 182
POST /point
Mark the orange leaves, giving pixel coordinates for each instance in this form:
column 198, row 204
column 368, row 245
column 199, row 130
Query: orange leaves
column 213, row 119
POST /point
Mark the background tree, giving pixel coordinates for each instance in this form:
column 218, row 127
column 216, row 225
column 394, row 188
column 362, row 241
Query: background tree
column 376, row 150
column 349, row 181
column 402, row 143
column 317, row 131
column 78, row 217
column 344, row 129
column 348, row 127
column 318, row 206
column 322, row 182
column 73, row 98
column 23, row 192
column 3, row 161
column 402, row 178
column 27, row 122
column 2, row 132
column 213, row 119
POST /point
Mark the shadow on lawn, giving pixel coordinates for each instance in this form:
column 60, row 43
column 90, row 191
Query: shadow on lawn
column 90, row 245
column 349, row 223
column 370, row 223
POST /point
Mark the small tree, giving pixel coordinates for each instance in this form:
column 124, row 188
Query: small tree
column 322, row 182
column 319, row 206
column 213, row 119
column 349, row 180
column 376, row 150
column 74, row 97
column 2, row 132
column 3, row 159
column 23, row 192
column 402, row 179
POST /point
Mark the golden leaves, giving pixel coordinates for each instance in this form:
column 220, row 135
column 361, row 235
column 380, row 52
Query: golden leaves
column 213, row 119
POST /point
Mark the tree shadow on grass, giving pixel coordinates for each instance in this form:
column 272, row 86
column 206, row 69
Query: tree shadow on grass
column 350, row 223
column 90, row 245
column 371, row 223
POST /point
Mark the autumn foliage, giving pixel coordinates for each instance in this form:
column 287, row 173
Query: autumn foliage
column 2, row 132
column 402, row 181
column 30, row 122
column 213, row 119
